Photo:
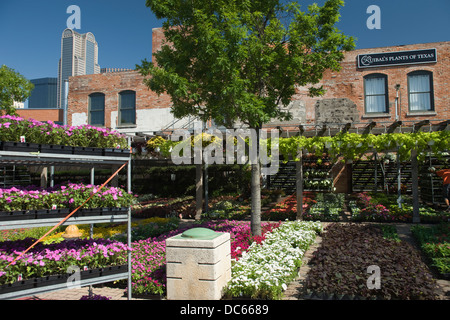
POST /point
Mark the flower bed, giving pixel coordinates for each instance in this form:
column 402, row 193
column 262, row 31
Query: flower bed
column 165, row 207
column 339, row 267
column 69, row 196
column 12, row 128
column 384, row 208
column 320, row 206
column 267, row 267
column 287, row 209
column 328, row 207
column 149, row 256
column 435, row 243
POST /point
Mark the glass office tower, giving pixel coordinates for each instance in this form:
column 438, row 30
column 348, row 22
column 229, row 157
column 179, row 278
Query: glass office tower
column 44, row 93
column 79, row 56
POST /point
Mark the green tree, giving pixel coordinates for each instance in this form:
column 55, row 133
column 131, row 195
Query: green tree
column 241, row 60
column 13, row 87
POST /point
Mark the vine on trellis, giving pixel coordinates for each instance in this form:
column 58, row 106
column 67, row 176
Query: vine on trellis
column 352, row 146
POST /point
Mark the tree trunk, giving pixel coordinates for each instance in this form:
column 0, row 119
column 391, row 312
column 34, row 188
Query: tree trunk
column 256, row 191
column 198, row 191
column 256, row 199
column 299, row 185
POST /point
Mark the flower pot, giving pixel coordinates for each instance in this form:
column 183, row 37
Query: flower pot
column 110, row 270
column 88, row 151
column 54, row 148
column 52, row 279
column 19, row 286
column 17, row 215
column 111, row 152
column 19, row 146
column 60, row 278
column 54, row 213
column 89, row 212
column 114, row 211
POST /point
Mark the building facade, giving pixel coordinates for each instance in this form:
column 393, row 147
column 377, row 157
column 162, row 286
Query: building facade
column 406, row 83
column 44, row 94
column 79, row 56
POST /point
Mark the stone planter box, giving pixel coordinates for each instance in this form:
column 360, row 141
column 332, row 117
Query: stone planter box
column 198, row 264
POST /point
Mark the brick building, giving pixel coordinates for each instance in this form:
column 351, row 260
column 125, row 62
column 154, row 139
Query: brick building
column 400, row 88
column 408, row 83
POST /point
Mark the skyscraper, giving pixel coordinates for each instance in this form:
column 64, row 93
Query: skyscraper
column 79, row 56
column 44, row 93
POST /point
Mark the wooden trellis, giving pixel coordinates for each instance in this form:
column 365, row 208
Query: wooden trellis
column 366, row 128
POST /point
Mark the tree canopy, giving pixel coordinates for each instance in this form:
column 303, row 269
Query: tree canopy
column 241, row 60
column 13, row 87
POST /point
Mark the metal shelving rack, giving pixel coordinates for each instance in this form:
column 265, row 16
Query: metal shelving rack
column 52, row 159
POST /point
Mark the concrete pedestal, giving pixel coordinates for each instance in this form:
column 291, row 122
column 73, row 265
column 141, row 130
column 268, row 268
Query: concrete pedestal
column 198, row 265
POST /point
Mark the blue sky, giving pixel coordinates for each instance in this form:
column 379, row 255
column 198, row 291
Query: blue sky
column 30, row 31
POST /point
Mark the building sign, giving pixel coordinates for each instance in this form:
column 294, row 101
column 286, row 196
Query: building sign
column 371, row 60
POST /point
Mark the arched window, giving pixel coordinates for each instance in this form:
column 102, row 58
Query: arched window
column 127, row 108
column 97, row 109
column 420, row 91
column 376, row 98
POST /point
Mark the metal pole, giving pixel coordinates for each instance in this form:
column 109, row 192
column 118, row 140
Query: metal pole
column 129, row 222
column 91, row 229
column 52, row 176
column 206, row 178
column 66, row 101
column 376, row 171
column 415, row 186
column 399, row 180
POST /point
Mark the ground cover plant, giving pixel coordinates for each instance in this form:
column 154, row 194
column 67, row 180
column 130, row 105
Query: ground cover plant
column 328, row 207
column 434, row 241
column 339, row 267
column 267, row 267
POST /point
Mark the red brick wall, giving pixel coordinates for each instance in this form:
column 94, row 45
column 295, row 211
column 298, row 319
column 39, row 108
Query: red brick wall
column 110, row 84
column 42, row 114
column 349, row 83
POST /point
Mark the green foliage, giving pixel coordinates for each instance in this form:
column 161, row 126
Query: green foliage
column 13, row 87
column 390, row 232
column 241, row 60
column 435, row 243
column 352, row 146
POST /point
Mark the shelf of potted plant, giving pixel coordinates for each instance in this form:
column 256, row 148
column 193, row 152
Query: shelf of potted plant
column 35, row 153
